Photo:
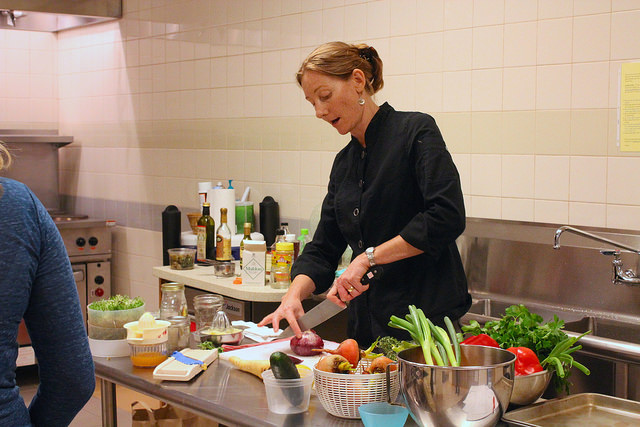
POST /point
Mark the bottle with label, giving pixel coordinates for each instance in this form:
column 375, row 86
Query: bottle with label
column 223, row 238
column 296, row 244
column 206, row 243
column 281, row 265
column 247, row 236
column 272, row 250
column 303, row 239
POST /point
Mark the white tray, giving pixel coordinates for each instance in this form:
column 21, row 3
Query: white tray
column 173, row 370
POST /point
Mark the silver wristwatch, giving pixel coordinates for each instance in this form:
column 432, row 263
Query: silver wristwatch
column 369, row 253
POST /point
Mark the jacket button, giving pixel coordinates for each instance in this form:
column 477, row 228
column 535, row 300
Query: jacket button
column 360, row 244
column 356, row 212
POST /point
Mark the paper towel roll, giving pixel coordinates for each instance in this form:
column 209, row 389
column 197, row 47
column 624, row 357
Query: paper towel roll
column 223, row 198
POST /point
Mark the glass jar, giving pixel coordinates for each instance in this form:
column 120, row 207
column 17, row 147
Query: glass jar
column 148, row 355
column 280, row 276
column 206, row 306
column 173, row 302
column 178, row 334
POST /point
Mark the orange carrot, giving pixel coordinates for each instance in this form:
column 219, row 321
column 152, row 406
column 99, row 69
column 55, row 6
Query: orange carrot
column 348, row 349
column 379, row 365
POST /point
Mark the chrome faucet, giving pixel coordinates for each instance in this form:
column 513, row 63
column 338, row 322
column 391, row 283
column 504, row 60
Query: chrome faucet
column 620, row 276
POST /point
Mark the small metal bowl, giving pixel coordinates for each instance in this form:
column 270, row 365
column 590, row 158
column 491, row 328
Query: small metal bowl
column 528, row 388
column 233, row 338
column 224, row 269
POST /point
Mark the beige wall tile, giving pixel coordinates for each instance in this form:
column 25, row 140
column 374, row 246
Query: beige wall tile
column 402, row 58
column 588, row 7
column 520, row 44
column 591, row 37
column 518, row 176
column 553, row 132
column 554, row 41
column 463, row 164
column 552, row 177
column 458, row 52
column 589, row 132
column 553, row 87
column 521, row 10
column 625, row 33
column 456, row 131
column 589, row 214
column 428, row 92
column 486, row 130
column 429, row 52
column 490, row 12
column 430, row 15
column 458, row 14
column 590, row 85
column 551, row 211
column 486, row 90
column 588, row 179
column 554, row 8
column 518, row 132
column 623, row 216
column 378, row 20
column 485, row 207
column 621, row 170
column 488, row 46
column 402, row 17
column 456, row 91
column 517, row 209
column 519, row 88
column 486, row 175
column 333, row 24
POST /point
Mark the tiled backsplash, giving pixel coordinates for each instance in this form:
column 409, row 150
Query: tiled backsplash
column 524, row 91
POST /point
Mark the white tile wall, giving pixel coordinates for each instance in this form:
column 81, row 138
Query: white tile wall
column 525, row 93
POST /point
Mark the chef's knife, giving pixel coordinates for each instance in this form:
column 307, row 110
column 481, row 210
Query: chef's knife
column 327, row 309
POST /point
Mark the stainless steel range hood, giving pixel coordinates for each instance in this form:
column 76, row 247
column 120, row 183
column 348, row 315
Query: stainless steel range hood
column 57, row 15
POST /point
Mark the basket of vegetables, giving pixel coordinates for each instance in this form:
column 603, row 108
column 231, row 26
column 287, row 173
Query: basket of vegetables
column 106, row 318
column 543, row 350
column 349, row 378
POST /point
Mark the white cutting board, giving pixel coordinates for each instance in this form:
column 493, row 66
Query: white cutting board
column 263, row 351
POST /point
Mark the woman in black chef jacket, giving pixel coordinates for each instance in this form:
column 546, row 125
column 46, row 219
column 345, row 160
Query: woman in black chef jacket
column 394, row 197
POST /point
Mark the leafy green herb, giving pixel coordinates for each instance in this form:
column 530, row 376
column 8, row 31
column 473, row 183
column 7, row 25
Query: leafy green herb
column 117, row 302
column 206, row 345
column 521, row 328
column 388, row 346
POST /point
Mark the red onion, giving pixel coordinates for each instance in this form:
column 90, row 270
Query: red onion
column 304, row 346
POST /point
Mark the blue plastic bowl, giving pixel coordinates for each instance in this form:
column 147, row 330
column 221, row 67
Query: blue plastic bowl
column 382, row 414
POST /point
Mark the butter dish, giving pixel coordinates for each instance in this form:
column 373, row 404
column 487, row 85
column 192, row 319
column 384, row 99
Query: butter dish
column 193, row 362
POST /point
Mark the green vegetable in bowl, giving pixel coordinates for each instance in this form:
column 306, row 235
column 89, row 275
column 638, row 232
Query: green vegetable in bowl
column 117, row 302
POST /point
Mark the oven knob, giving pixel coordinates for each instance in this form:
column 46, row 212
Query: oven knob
column 99, row 292
column 93, row 241
column 99, row 280
column 80, row 241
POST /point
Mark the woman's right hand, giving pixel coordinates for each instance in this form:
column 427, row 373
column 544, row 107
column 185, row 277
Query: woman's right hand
column 290, row 309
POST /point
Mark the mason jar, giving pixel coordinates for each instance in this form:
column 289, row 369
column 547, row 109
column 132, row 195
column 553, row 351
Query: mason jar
column 173, row 301
column 206, row 306
column 178, row 333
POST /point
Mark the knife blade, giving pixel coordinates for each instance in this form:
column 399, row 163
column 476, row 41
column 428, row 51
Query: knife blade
column 327, row 309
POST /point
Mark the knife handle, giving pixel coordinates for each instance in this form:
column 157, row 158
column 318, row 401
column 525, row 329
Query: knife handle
column 374, row 273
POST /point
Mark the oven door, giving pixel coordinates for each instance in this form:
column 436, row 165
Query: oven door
column 80, row 276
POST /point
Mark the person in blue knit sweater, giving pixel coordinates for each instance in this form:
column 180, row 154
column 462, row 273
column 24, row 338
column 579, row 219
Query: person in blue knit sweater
column 37, row 284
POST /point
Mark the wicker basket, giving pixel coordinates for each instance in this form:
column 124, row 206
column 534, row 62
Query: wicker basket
column 342, row 394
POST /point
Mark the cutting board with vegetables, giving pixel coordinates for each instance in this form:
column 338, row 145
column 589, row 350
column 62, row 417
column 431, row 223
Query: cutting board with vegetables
column 263, row 351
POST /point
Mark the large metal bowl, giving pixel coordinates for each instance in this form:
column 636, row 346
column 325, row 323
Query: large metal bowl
column 475, row 394
column 528, row 388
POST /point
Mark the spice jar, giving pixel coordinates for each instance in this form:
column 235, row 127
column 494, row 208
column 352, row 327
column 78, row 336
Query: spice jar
column 178, row 332
column 173, row 302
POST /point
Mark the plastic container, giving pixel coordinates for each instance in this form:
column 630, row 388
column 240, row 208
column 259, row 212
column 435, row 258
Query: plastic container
column 148, row 355
column 182, row 258
column 100, row 333
column 113, row 318
column 288, row 396
column 382, row 414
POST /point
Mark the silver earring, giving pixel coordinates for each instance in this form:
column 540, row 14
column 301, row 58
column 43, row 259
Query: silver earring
column 361, row 101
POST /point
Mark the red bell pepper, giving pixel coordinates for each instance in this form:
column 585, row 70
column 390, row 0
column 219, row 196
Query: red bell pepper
column 481, row 339
column 527, row 362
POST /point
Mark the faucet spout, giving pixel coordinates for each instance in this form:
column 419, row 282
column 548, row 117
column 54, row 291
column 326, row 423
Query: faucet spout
column 559, row 231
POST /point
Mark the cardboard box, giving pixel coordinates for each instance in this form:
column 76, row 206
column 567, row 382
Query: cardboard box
column 253, row 262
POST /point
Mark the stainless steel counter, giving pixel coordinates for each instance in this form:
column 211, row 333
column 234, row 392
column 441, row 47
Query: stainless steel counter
column 221, row 393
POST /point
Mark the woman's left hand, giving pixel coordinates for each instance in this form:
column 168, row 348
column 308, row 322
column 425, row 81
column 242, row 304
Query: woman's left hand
column 348, row 285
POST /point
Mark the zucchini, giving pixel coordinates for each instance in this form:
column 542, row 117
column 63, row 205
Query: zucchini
column 282, row 366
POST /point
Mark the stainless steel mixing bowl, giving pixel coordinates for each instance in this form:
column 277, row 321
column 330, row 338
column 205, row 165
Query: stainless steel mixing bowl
column 475, row 394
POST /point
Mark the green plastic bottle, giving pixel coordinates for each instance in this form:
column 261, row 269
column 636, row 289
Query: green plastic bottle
column 304, row 239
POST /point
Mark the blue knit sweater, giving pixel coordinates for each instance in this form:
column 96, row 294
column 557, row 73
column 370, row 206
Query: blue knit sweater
column 36, row 283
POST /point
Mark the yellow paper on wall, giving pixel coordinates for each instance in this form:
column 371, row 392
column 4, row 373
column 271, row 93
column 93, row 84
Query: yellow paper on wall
column 630, row 107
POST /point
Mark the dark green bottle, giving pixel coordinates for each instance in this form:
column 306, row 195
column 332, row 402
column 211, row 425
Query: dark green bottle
column 206, row 235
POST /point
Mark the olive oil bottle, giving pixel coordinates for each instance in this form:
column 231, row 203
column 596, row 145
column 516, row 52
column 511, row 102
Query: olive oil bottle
column 247, row 236
column 223, row 238
column 206, row 246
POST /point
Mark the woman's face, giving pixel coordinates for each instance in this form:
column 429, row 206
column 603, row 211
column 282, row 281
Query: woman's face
column 335, row 100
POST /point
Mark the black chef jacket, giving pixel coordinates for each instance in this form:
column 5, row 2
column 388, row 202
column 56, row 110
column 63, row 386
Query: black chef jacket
column 403, row 183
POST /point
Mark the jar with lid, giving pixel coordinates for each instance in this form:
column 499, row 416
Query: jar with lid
column 281, row 265
column 173, row 301
column 206, row 306
column 178, row 333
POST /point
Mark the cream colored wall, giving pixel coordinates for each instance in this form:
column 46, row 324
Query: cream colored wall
column 525, row 93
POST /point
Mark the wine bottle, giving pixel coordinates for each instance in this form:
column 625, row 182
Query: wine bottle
column 223, row 238
column 206, row 243
column 247, row 236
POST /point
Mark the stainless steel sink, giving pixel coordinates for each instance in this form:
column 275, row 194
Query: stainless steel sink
column 607, row 328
